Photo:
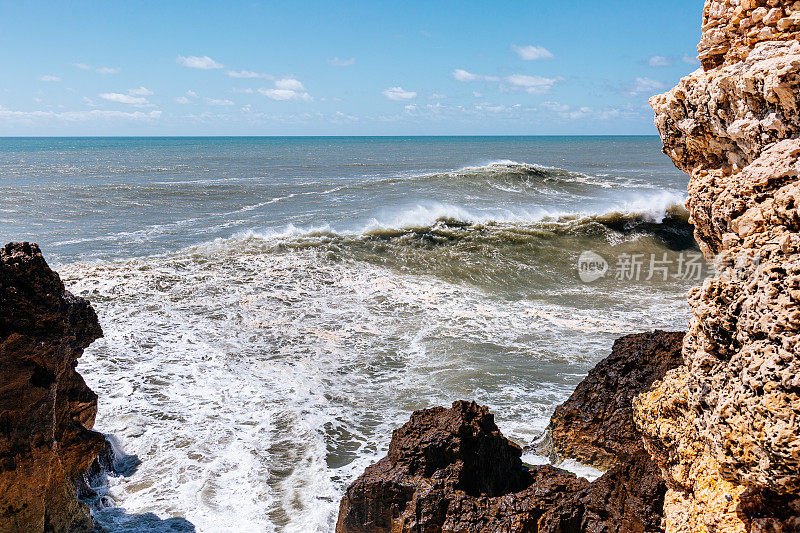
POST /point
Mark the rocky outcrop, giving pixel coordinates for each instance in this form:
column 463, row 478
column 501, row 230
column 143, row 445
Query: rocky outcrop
column 629, row 498
column 452, row 470
column 732, row 28
column 46, row 409
column 725, row 427
column 595, row 425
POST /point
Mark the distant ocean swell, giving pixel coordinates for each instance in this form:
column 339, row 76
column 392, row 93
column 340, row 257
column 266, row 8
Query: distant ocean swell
column 539, row 195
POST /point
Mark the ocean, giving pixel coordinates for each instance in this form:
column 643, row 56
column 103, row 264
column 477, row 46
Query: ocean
column 274, row 307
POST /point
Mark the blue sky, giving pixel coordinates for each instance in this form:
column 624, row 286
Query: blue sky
column 340, row 68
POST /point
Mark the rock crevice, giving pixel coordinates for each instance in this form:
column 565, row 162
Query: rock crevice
column 451, row 470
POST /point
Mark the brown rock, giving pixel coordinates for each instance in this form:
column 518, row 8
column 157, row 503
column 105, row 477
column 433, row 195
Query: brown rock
column 595, row 425
column 726, row 41
column 438, row 478
column 451, row 470
column 627, row 498
column 46, row 409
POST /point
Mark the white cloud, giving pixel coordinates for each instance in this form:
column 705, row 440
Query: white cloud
column 191, row 93
column 659, row 61
column 215, row 101
column 690, row 60
column 495, row 108
column 120, row 98
column 336, row 62
column 204, row 62
column 76, row 116
column 531, row 84
column 183, row 100
column 462, row 75
column 530, row 52
column 476, row 94
column 290, row 84
column 99, row 70
column 344, row 116
column 278, row 94
column 645, row 85
column 397, row 93
column 287, row 89
column 140, row 91
column 437, row 96
column 555, row 106
column 247, row 74
column 285, row 94
column 49, row 77
column 581, row 113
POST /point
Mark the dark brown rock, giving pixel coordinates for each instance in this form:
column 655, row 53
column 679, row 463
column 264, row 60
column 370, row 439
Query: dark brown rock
column 46, row 409
column 595, row 425
column 627, row 498
column 452, row 470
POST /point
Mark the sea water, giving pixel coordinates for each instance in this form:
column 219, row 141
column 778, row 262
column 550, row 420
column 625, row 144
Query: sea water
column 273, row 307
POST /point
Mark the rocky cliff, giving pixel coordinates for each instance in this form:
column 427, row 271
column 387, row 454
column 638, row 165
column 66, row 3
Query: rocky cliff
column 725, row 427
column 46, row 409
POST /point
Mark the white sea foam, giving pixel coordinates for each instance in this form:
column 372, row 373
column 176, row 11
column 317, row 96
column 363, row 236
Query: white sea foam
column 650, row 206
column 254, row 383
column 570, row 465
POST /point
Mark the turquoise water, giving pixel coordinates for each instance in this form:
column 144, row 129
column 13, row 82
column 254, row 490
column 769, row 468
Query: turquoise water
column 274, row 307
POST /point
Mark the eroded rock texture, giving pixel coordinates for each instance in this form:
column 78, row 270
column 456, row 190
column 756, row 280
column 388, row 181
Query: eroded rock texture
column 451, row 470
column 725, row 427
column 595, row 425
column 46, row 409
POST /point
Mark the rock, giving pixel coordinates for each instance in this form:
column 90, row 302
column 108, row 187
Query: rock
column 595, row 425
column 723, row 119
column 726, row 41
column 46, row 409
column 627, row 498
column 724, row 427
column 451, row 470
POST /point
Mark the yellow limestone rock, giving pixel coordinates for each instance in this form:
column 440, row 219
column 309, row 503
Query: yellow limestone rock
column 725, row 427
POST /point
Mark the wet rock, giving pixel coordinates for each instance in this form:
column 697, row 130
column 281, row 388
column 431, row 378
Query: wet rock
column 451, row 470
column 627, row 498
column 595, row 425
column 46, row 409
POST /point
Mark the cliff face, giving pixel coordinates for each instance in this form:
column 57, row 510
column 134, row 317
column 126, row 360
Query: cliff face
column 46, row 409
column 725, row 427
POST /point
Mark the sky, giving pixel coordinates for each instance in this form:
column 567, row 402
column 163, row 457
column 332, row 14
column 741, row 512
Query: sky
column 340, row 68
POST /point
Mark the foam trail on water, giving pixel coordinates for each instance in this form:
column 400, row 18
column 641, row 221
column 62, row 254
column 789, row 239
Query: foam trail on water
column 253, row 382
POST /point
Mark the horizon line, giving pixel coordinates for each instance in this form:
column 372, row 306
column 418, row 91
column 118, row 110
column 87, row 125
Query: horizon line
column 314, row 136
